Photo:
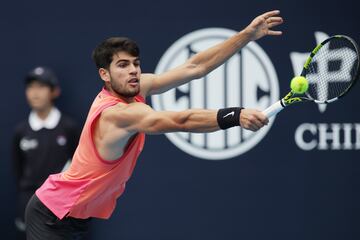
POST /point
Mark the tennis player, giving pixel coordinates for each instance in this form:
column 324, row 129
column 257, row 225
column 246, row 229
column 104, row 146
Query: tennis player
column 114, row 132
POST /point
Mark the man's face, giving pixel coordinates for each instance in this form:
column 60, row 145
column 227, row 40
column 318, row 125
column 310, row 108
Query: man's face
column 39, row 96
column 125, row 74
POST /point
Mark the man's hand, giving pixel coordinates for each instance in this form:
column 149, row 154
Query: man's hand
column 252, row 119
column 261, row 25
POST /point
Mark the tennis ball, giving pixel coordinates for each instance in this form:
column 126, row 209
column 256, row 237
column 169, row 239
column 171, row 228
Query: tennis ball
column 299, row 84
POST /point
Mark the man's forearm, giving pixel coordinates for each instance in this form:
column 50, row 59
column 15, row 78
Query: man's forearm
column 258, row 28
column 213, row 57
column 197, row 120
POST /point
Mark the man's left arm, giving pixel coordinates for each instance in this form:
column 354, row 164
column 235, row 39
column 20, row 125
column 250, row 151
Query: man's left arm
column 204, row 62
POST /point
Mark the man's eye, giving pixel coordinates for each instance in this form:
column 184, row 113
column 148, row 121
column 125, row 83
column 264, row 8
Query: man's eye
column 122, row 65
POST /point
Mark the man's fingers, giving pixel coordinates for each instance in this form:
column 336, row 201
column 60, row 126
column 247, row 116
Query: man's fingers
column 270, row 13
column 274, row 33
column 253, row 120
column 274, row 19
column 251, row 127
column 271, row 25
column 257, row 123
column 273, row 22
column 262, row 118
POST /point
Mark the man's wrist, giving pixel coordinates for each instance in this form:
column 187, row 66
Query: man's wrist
column 228, row 117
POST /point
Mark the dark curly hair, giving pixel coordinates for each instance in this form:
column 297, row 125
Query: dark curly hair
column 104, row 52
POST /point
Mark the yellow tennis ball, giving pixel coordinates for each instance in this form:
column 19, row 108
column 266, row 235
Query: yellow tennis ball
column 299, row 84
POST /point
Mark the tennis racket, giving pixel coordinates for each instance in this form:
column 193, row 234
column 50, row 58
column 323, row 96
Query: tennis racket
column 331, row 70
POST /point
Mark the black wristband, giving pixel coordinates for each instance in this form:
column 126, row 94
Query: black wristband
column 229, row 117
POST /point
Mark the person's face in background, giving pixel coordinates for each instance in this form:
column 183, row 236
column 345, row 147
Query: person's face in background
column 40, row 96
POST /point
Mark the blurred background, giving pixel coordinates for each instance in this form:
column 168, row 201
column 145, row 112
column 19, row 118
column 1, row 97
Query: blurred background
column 299, row 179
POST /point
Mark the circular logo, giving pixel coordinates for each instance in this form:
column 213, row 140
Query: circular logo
column 247, row 79
column 61, row 140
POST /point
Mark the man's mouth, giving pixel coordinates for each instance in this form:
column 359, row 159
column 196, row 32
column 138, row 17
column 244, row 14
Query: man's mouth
column 133, row 81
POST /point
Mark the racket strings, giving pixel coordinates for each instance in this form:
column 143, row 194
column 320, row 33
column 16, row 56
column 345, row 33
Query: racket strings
column 332, row 70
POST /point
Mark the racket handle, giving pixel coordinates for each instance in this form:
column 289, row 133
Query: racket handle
column 273, row 109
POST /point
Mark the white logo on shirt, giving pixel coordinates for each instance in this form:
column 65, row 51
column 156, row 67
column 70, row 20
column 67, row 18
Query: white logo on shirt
column 28, row 144
column 61, row 140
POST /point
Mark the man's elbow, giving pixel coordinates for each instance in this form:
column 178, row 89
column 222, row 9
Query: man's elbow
column 167, row 125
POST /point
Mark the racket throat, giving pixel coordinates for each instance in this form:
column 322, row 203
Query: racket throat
column 274, row 109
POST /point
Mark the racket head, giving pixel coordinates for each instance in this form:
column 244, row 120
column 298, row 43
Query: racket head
column 332, row 69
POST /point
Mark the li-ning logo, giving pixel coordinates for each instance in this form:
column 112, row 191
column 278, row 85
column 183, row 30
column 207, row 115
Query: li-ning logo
column 247, row 79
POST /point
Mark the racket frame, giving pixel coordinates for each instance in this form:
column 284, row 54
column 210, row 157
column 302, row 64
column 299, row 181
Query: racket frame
column 292, row 97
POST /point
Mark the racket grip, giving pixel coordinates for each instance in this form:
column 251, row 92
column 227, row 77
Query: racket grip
column 273, row 109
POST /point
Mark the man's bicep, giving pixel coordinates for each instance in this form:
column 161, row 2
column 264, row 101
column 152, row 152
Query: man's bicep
column 127, row 116
column 139, row 117
column 142, row 118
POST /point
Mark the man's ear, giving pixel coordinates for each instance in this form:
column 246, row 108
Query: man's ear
column 104, row 74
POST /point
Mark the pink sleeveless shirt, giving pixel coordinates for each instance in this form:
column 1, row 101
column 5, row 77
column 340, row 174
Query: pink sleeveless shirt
column 91, row 185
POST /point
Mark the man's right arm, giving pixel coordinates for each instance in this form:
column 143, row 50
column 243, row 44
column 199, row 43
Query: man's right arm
column 139, row 117
column 117, row 124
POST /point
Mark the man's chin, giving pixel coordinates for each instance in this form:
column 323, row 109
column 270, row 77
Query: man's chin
column 135, row 93
column 129, row 94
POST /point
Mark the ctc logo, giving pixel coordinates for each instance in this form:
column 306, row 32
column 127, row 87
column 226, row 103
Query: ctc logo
column 247, row 79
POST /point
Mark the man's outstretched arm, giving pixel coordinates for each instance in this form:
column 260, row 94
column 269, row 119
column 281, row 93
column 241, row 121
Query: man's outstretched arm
column 204, row 62
column 138, row 117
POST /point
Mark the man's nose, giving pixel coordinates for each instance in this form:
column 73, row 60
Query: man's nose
column 133, row 69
